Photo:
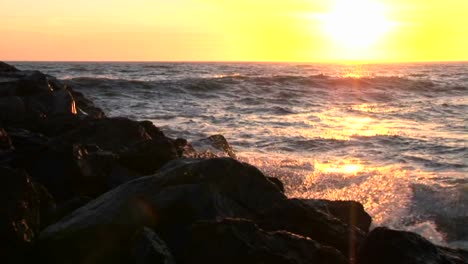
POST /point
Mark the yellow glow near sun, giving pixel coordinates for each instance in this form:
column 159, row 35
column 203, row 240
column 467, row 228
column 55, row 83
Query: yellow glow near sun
column 356, row 24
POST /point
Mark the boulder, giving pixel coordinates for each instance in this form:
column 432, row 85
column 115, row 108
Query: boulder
column 32, row 83
column 12, row 109
column 234, row 241
column 84, row 106
column 384, row 245
column 214, row 146
column 184, row 192
column 298, row 217
column 5, row 141
column 278, row 183
column 147, row 156
column 111, row 134
column 149, row 248
column 7, row 67
column 349, row 212
column 20, row 214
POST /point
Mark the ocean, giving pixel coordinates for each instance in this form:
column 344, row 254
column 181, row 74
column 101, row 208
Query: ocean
column 391, row 136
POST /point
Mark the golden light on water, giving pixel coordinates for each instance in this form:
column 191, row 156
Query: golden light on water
column 346, row 167
column 345, row 127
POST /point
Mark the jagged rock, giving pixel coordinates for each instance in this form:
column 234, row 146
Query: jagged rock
column 349, row 212
column 241, row 241
column 12, row 109
column 384, row 245
column 95, row 167
column 147, row 156
column 213, row 146
column 32, row 83
column 151, row 129
column 300, row 218
column 278, row 183
column 183, row 192
column 149, row 248
column 20, row 215
column 7, row 67
column 68, row 170
column 62, row 209
column 112, row 134
column 84, row 106
column 142, row 148
column 5, row 141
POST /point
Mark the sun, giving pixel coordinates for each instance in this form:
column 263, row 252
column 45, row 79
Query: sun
column 356, row 24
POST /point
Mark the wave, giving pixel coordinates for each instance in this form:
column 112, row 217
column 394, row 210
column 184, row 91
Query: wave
column 301, row 83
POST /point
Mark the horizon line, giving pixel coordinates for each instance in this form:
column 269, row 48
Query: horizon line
column 240, row 61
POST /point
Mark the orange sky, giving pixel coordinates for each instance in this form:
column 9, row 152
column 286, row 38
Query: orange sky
column 241, row 30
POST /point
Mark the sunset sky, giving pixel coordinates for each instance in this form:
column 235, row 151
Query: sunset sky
column 240, row 30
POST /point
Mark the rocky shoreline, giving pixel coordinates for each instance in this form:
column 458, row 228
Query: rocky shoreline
column 80, row 187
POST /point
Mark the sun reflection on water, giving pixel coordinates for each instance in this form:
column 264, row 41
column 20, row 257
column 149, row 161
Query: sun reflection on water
column 345, row 127
column 346, row 167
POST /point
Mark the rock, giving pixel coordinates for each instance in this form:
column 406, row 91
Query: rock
column 151, row 129
column 32, row 83
column 111, row 134
column 142, row 149
column 19, row 215
column 63, row 103
column 64, row 208
column 95, row 167
column 384, row 245
column 149, row 248
column 7, row 68
column 147, row 156
column 5, row 141
column 214, row 146
column 241, row 241
column 185, row 149
column 277, row 182
column 184, row 192
column 84, row 106
column 12, row 109
column 349, row 212
column 298, row 217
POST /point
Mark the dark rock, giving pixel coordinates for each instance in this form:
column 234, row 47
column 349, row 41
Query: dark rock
column 95, row 166
column 149, row 248
column 183, row 192
column 7, row 67
column 5, row 141
column 64, row 208
column 390, row 246
column 241, row 241
column 142, row 149
column 300, row 218
column 214, row 146
column 277, row 182
column 349, row 212
column 19, row 215
column 112, row 134
column 151, row 129
column 185, row 149
column 32, row 83
column 147, row 156
column 12, row 109
column 84, row 106
column 54, row 125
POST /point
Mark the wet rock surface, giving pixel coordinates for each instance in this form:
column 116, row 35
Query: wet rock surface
column 80, row 187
